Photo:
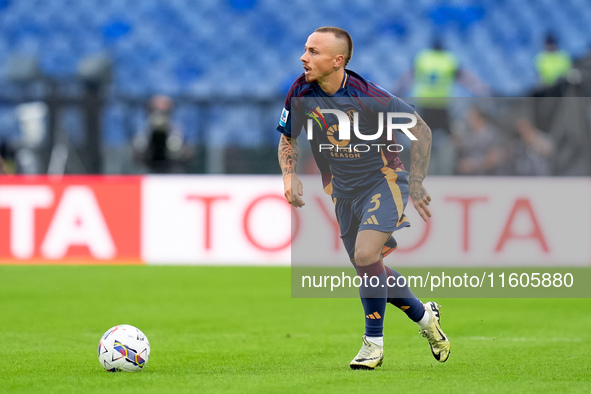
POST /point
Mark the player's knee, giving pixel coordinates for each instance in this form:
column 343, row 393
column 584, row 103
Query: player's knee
column 365, row 256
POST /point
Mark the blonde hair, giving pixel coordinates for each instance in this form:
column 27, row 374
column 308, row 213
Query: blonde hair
column 341, row 35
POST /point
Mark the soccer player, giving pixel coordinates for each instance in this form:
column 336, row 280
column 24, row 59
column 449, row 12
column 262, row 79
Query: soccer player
column 370, row 190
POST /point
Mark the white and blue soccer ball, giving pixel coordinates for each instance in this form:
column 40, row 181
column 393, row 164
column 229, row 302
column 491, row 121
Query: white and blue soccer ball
column 123, row 348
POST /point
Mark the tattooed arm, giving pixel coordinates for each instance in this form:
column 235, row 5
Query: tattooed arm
column 288, row 160
column 420, row 153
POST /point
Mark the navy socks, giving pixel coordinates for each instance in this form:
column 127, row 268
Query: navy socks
column 373, row 293
column 403, row 298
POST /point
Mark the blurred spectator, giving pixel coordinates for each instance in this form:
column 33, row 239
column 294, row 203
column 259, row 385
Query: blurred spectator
column 433, row 76
column 552, row 63
column 161, row 146
column 7, row 158
column 533, row 150
column 478, row 148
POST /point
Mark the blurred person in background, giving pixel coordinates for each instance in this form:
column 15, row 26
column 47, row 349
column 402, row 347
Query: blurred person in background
column 478, row 147
column 433, row 75
column 7, row 158
column 161, row 146
column 533, row 150
column 552, row 63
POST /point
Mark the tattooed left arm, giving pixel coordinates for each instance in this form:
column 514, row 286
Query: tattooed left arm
column 420, row 154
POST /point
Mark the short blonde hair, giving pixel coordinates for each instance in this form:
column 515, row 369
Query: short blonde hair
column 342, row 35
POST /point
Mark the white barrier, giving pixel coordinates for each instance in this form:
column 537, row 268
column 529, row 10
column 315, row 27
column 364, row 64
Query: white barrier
column 476, row 222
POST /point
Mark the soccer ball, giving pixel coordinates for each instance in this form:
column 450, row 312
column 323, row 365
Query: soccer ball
column 123, row 348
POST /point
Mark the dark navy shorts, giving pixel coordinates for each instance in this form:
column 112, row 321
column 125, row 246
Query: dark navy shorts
column 381, row 209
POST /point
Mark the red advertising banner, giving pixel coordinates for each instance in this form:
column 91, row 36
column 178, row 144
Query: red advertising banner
column 70, row 220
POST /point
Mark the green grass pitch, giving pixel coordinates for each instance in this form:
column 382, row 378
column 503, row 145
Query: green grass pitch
column 227, row 329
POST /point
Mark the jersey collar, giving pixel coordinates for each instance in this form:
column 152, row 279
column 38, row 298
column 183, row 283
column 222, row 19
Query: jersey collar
column 339, row 92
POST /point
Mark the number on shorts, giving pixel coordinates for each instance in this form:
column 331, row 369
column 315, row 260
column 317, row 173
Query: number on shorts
column 376, row 201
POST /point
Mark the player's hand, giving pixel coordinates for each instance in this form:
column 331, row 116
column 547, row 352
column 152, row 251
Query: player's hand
column 293, row 190
column 420, row 199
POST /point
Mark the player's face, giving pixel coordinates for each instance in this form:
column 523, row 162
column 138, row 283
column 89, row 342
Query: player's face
column 319, row 56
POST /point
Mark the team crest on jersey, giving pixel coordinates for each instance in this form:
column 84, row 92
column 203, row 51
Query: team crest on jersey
column 283, row 118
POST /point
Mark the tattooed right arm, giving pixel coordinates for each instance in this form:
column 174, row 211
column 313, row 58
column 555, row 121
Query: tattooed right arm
column 288, row 160
column 288, row 155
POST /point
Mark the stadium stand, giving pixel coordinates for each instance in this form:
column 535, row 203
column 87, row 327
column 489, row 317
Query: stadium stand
column 249, row 48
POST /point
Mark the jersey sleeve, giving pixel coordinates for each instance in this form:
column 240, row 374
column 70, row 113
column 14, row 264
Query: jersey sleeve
column 284, row 125
column 399, row 105
column 287, row 125
column 402, row 107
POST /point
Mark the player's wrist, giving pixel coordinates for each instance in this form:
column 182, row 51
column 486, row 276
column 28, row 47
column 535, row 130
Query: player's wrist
column 416, row 179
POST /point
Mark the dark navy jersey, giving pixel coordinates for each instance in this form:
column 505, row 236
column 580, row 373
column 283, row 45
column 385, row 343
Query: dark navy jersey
column 350, row 167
